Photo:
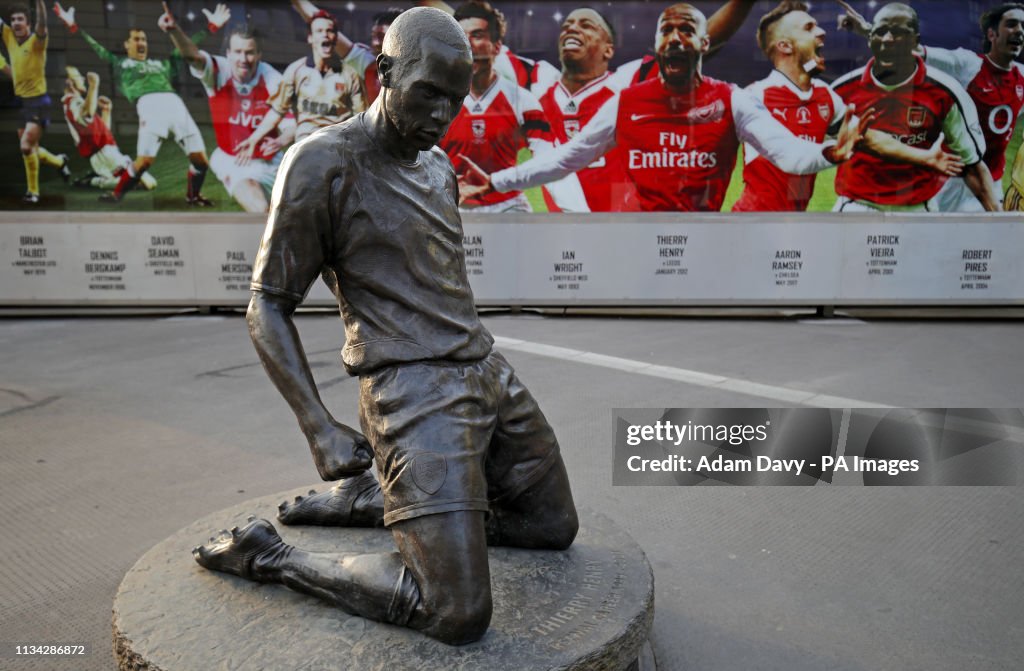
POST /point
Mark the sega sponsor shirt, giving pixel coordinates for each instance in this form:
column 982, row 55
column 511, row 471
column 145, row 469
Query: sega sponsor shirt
column 916, row 112
column 317, row 98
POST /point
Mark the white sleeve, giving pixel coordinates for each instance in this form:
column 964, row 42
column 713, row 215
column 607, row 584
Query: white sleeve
column 591, row 143
column 208, row 75
column 960, row 64
column 623, row 75
column 963, row 132
column 755, row 125
column 77, row 107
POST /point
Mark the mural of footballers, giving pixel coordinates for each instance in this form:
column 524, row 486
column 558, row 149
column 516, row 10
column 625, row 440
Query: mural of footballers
column 993, row 80
column 147, row 83
column 498, row 118
column 26, row 47
column 586, row 45
column 320, row 90
column 917, row 104
column 238, row 86
column 794, row 43
column 680, row 133
column 88, row 116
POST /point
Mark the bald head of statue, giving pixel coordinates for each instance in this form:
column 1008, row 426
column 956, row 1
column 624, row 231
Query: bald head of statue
column 425, row 68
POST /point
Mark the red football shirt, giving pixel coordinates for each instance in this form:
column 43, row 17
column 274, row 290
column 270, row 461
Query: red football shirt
column 916, row 112
column 807, row 114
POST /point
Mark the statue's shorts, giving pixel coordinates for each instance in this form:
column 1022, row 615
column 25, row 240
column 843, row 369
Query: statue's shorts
column 450, row 436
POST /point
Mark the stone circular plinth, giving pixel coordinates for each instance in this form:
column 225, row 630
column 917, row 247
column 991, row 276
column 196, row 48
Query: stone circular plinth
column 590, row 607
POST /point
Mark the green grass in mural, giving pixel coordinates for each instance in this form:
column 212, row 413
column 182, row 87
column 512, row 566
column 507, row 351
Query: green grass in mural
column 171, row 168
column 170, row 171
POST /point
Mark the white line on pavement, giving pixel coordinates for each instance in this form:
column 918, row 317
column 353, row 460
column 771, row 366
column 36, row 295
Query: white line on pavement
column 694, row 377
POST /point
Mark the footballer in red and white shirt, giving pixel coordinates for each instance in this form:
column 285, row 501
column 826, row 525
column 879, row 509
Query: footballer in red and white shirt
column 811, row 114
column 238, row 88
column 917, row 105
column 570, row 102
column 88, row 117
column 995, row 82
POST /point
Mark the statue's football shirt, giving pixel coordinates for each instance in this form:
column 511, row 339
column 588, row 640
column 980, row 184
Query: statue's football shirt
column 391, row 234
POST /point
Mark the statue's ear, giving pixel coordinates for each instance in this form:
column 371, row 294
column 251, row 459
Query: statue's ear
column 385, row 70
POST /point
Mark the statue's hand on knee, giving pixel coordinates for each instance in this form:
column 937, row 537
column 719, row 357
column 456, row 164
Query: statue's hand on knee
column 340, row 451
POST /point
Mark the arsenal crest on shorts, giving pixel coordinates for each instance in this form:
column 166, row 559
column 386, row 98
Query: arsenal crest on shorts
column 429, row 470
column 916, row 117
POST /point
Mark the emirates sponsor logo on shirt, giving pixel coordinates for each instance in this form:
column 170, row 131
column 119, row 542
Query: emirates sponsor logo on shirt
column 916, row 117
column 803, row 115
column 707, row 114
column 672, row 154
column 824, row 111
column 572, row 126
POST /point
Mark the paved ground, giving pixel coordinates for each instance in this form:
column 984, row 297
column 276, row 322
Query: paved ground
column 116, row 432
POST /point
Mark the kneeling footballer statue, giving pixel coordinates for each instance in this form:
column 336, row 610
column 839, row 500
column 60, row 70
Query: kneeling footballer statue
column 464, row 455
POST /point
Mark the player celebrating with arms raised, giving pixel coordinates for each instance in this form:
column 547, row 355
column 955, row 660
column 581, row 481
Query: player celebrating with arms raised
column 680, row 132
column 321, row 89
column 992, row 79
column 88, row 117
column 238, row 87
column 26, row 47
column 918, row 105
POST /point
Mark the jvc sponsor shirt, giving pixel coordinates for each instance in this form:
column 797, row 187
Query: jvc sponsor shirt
column 236, row 108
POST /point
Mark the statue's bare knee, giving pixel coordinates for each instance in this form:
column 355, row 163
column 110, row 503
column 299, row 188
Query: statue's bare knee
column 447, row 555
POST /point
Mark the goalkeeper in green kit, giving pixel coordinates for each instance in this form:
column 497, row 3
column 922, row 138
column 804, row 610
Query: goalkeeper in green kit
column 162, row 114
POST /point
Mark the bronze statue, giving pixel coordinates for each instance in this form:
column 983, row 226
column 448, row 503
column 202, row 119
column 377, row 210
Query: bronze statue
column 464, row 454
